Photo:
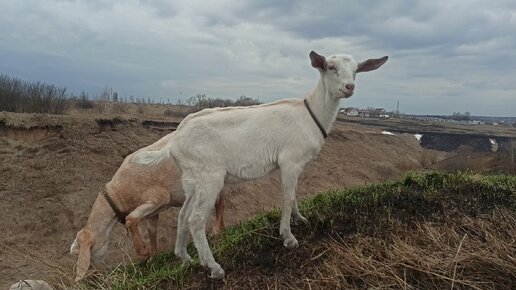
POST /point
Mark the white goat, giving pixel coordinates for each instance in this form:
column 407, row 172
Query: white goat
column 141, row 192
column 221, row 145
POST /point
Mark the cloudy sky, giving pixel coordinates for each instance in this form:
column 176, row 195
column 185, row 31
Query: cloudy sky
column 445, row 55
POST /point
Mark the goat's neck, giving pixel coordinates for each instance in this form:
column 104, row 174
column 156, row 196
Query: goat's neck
column 323, row 105
column 102, row 218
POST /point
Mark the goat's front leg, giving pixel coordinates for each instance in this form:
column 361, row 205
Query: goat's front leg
column 131, row 222
column 289, row 175
column 153, row 232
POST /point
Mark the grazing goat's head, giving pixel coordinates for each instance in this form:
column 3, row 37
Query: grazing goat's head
column 87, row 247
column 338, row 72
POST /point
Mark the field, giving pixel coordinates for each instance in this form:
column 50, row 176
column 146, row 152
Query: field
column 53, row 166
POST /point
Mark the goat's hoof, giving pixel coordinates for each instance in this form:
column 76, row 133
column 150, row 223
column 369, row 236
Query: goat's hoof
column 217, row 273
column 202, row 263
column 215, row 232
column 185, row 259
column 290, row 243
column 144, row 254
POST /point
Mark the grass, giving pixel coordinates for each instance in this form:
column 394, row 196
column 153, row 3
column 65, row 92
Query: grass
column 430, row 230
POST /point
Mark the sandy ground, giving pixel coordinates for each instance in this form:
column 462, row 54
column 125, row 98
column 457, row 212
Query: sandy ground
column 52, row 168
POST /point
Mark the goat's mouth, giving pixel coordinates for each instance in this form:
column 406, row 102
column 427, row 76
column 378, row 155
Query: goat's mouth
column 346, row 94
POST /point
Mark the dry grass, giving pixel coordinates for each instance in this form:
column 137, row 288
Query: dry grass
column 129, row 110
column 179, row 111
column 55, row 273
column 58, row 277
column 429, row 158
column 463, row 253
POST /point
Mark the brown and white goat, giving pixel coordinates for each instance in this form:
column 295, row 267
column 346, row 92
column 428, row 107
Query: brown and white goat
column 140, row 191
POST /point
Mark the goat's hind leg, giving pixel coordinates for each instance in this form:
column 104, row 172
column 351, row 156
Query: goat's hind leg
column 182, row 222
column 207, row 191
column 297, row 218
column 218, row 224
column 289, row 175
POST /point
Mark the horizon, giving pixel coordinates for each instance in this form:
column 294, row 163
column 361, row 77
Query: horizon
column 184, row 101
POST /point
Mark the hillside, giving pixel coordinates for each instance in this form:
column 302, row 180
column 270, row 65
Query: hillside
column 425, row 231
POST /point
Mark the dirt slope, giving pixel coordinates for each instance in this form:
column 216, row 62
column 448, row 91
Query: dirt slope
column 52, row 168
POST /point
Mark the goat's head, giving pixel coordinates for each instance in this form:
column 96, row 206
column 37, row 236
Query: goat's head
column 87, row 247
column 338, row 72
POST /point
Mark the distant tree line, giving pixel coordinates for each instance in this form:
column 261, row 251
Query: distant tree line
column 22, row 96
column 203, row 101
column 31, row 97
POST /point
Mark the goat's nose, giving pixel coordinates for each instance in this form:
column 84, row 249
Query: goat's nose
column 350, row 87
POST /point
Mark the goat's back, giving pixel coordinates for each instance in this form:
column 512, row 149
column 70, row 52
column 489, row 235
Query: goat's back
column 133, row 183
column 246, row 141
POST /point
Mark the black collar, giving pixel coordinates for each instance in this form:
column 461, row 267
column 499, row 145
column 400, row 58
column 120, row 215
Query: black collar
column 325, row 135
column 119, row 214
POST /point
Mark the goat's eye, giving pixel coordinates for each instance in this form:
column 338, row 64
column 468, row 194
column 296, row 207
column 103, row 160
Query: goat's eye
column 331, row 67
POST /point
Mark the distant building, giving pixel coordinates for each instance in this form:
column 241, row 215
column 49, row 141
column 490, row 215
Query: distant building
column 352, row 112
column 363, row 113
column 444, row 119
column 378, row 113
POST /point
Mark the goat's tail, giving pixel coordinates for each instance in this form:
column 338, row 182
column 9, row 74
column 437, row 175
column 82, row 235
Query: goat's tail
column 153, row 158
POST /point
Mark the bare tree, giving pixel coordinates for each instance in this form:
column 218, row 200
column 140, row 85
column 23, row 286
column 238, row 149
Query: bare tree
column 37, row 97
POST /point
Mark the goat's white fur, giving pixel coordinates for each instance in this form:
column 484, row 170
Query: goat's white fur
column 219, row 145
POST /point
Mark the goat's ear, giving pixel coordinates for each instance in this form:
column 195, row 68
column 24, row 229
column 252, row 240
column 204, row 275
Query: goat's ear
column 371, row 64
column 83, row 261
column 318, row 61
column 74, row 248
